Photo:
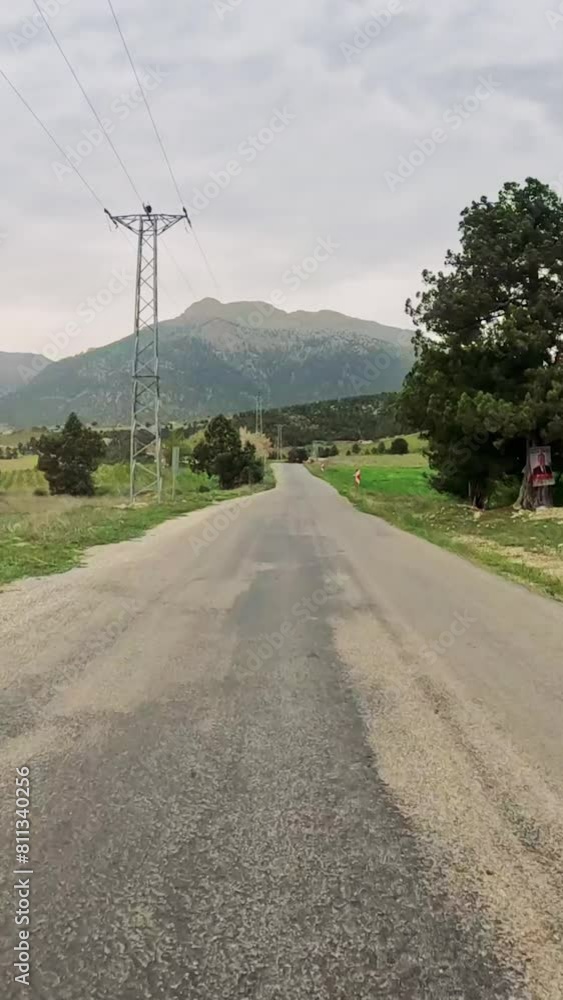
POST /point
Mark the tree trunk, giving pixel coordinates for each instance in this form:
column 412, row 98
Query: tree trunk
column 545, row 496
column 526, row 497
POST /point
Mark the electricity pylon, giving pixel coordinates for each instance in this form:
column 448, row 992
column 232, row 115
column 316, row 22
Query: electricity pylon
column 146, row 472
column 259, row 414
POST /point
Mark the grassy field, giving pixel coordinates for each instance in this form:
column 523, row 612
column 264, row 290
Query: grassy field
column 415, row 442
column 525, row 547
column 40, row 535
column 20, row 475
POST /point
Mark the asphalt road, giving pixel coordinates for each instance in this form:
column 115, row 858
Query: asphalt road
column 282, row 750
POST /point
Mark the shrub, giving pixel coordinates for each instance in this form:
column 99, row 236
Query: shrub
column 221, row 454
column 69, row 458
column 399, row 446
column 297, row 456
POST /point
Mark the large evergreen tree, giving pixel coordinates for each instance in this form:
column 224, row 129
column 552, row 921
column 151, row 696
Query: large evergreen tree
column 221, row 454
column 69, row 458
column 488, row 376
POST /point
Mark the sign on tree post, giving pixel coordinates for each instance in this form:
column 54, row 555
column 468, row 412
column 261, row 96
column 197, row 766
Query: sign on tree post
column 541, row 471
column 540, row 477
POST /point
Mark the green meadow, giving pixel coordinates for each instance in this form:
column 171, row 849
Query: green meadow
column 527, row 548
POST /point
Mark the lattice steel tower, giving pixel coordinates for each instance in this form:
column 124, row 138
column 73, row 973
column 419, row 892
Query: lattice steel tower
column 280, row 428
column 259, row 414
column 146, row 472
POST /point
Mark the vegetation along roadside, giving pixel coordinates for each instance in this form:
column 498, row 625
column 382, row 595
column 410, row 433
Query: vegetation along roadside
column 526, row 547
column 43, row 533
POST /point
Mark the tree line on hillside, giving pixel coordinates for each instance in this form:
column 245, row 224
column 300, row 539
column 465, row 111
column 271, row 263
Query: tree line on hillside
column 356, row 418
column 398, row 446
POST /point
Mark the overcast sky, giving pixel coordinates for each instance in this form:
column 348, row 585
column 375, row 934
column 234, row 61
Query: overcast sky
column 352, row 100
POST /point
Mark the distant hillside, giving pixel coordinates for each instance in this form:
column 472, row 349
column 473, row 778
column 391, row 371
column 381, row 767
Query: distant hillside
column 15, row 370
column 359, row 418
column 216, row 357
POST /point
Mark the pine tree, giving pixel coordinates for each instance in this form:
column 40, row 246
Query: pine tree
column 69, row 458
column 488, row 378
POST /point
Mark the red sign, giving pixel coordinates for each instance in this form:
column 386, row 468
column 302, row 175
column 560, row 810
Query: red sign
column 541, row 469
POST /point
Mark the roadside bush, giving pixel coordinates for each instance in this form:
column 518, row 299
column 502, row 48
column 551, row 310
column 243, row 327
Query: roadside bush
column 399, row 446
column 505, row 492
column 69, row 458
column 329, row 451
column 221, row 454
column 297, row 456
column 381, row 449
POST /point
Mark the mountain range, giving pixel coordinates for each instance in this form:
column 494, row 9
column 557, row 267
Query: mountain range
column 216, row 357
column 11, row 366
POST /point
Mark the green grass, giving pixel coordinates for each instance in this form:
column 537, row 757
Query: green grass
column 14, row 437
column 415, row 442
column 40, row 535
column 525, row 547
column 22, row 462
column 390, row 475
column 20, row 475
column 113, row 480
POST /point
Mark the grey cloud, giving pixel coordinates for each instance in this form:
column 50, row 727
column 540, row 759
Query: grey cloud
column 324, row 175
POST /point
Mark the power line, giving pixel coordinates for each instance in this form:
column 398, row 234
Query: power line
column 206, row 261
column 103, row 130
column 180, row 269
column 52, row 138
column 147, row 105
column 89, row 102
column 160, row 142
